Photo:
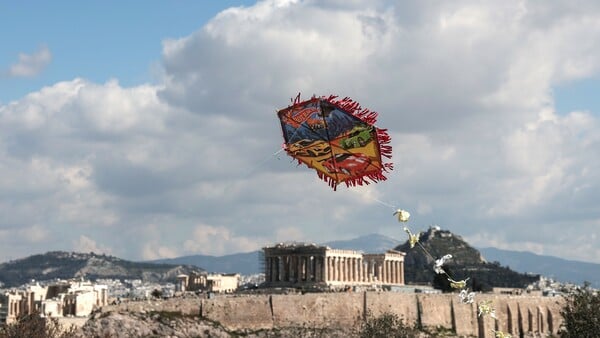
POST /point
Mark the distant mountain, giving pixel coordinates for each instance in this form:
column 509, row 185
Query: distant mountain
column 248, row 263
column 65, row 265
column 562, row 270
column 251, row 262
column 557, row 268
column 466, row 262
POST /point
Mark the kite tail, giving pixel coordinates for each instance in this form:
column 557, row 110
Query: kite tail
column 384, row 140
column 330, row 181
column 367, row 116
column 374, row 177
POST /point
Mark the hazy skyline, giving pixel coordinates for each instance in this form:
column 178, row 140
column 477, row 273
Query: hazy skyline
column 148, row 129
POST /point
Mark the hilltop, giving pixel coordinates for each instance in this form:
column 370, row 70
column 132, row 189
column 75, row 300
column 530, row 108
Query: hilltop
column 466, row 262
column 65, row 265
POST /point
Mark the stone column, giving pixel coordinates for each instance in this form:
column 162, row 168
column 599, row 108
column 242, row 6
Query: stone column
column 304, row 268
column 385, row 271
column 290, row 266
column 269, row 270
column 348, row 269
column 325, row 268
column 401, row 271
column 333, row 269
column 299, row 268
column 342, row 270
column 361, row 272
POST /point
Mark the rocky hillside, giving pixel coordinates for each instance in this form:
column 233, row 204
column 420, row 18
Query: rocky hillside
column 64, row 265
column 128, row 324
column 466, row 262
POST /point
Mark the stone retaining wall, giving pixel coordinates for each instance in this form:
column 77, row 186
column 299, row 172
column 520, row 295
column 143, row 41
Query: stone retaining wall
column 531, row 316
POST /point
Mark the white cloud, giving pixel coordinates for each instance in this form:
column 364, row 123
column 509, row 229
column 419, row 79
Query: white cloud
column 153, row 251
column 206, row 239
column 86, row 244
column 30, row 65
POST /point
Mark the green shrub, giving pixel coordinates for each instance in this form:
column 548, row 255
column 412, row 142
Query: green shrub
column 581, row 314
column 387, row 325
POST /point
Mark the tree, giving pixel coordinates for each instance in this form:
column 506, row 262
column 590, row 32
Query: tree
column 156, row 293
column 581, row 313
column 384, row 326
column 32, row 325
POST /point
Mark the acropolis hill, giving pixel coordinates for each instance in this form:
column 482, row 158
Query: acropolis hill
column 315, row 290
column 331, row 314
column 348, row 281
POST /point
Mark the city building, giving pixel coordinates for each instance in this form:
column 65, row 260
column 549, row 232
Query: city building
column 64, row 298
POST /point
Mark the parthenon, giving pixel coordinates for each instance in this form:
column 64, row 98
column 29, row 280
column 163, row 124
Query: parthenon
column 310, row 264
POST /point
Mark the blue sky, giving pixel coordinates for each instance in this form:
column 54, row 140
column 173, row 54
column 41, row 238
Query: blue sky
column 147, row 129
column 578, row 95
column 96, row 40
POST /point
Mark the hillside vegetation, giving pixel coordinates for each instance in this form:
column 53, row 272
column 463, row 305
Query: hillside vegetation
column 466, row 262
column 65, row 265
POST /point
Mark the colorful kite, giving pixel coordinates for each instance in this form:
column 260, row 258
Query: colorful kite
column 337, row 138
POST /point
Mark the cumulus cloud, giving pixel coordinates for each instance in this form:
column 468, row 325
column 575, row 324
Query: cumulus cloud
column 30, row 65
column 86, row 244
column 191, row 165
column 217, row 241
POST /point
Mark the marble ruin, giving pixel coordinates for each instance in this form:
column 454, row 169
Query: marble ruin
column 220, row 283
column 312, row 265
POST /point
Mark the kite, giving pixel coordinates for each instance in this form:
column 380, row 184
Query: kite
column 500, row 334
column 403, row 215
column 437, row 267
column 338, row 138
column 466, row 297
column 486, row 308
column 458, row 284
column 412, row 238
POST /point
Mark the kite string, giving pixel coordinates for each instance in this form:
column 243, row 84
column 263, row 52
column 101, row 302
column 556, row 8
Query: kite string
column 253, row 168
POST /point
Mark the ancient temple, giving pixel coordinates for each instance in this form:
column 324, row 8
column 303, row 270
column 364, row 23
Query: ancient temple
column 309, row 264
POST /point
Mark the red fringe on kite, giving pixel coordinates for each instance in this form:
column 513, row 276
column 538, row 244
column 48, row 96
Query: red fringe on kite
column 338, row 138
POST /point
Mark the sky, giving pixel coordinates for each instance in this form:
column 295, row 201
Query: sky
column 148, row 130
